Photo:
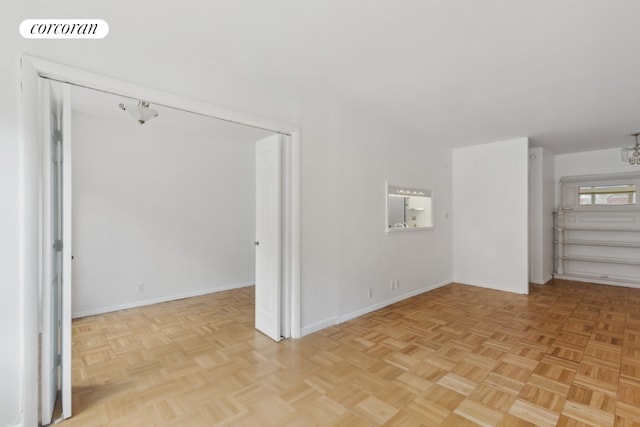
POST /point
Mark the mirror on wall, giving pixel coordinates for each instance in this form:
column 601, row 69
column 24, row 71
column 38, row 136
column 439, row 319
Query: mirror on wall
column 408, row 208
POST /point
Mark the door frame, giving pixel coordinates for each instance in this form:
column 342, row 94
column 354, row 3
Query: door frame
column 32, row 69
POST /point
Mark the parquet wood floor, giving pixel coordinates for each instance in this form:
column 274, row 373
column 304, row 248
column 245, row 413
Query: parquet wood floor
column 568, row 354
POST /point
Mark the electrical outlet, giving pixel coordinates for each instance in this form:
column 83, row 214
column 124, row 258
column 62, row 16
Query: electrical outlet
column 397, row 283
column 140, row 287
column 392, row 284
column 370, row 292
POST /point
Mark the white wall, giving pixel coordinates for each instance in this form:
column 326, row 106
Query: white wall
column 548, row 206
column 541, row 205
column 171, row 209
column 339, row 149
column 592, row 163
column 490, row 205
column 359, row 253
column 535, row 215
column 12, row 375
column 345, row 248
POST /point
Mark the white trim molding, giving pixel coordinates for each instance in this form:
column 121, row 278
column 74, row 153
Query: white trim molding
column 134, row 304
column 381, row 304
column 318, row 326
column 336, row 320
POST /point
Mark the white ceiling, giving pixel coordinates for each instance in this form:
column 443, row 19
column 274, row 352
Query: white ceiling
column 459, row 72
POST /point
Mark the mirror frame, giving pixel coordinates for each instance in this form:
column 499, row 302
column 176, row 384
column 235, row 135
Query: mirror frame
column 406, row 192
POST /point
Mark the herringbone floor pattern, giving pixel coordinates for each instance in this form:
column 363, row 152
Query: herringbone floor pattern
column 568, row 354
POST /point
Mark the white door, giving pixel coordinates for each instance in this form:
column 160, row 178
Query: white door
column 268, row 236
column 65, row 303
column 56, row 238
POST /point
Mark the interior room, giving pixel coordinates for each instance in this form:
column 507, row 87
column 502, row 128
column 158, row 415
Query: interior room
column 183, row 198
column 456, row 214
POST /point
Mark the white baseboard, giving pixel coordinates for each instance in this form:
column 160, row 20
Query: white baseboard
column 591, row 279
column 315, row 327
column 368, row 309
column 101, row 310
column 544, row 281
column 493, row 286
column 334, row 320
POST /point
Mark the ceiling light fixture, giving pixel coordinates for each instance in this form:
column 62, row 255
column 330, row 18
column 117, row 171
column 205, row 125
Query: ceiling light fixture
column 141, row 112
column 632, row 154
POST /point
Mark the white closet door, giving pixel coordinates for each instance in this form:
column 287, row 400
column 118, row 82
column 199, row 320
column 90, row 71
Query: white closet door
column 56, row 240
column 268, row 236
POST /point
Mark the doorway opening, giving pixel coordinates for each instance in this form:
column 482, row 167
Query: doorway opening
column 36, row 71
column 161, row 211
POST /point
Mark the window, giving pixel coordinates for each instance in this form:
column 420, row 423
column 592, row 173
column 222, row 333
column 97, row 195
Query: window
column 620, row 194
